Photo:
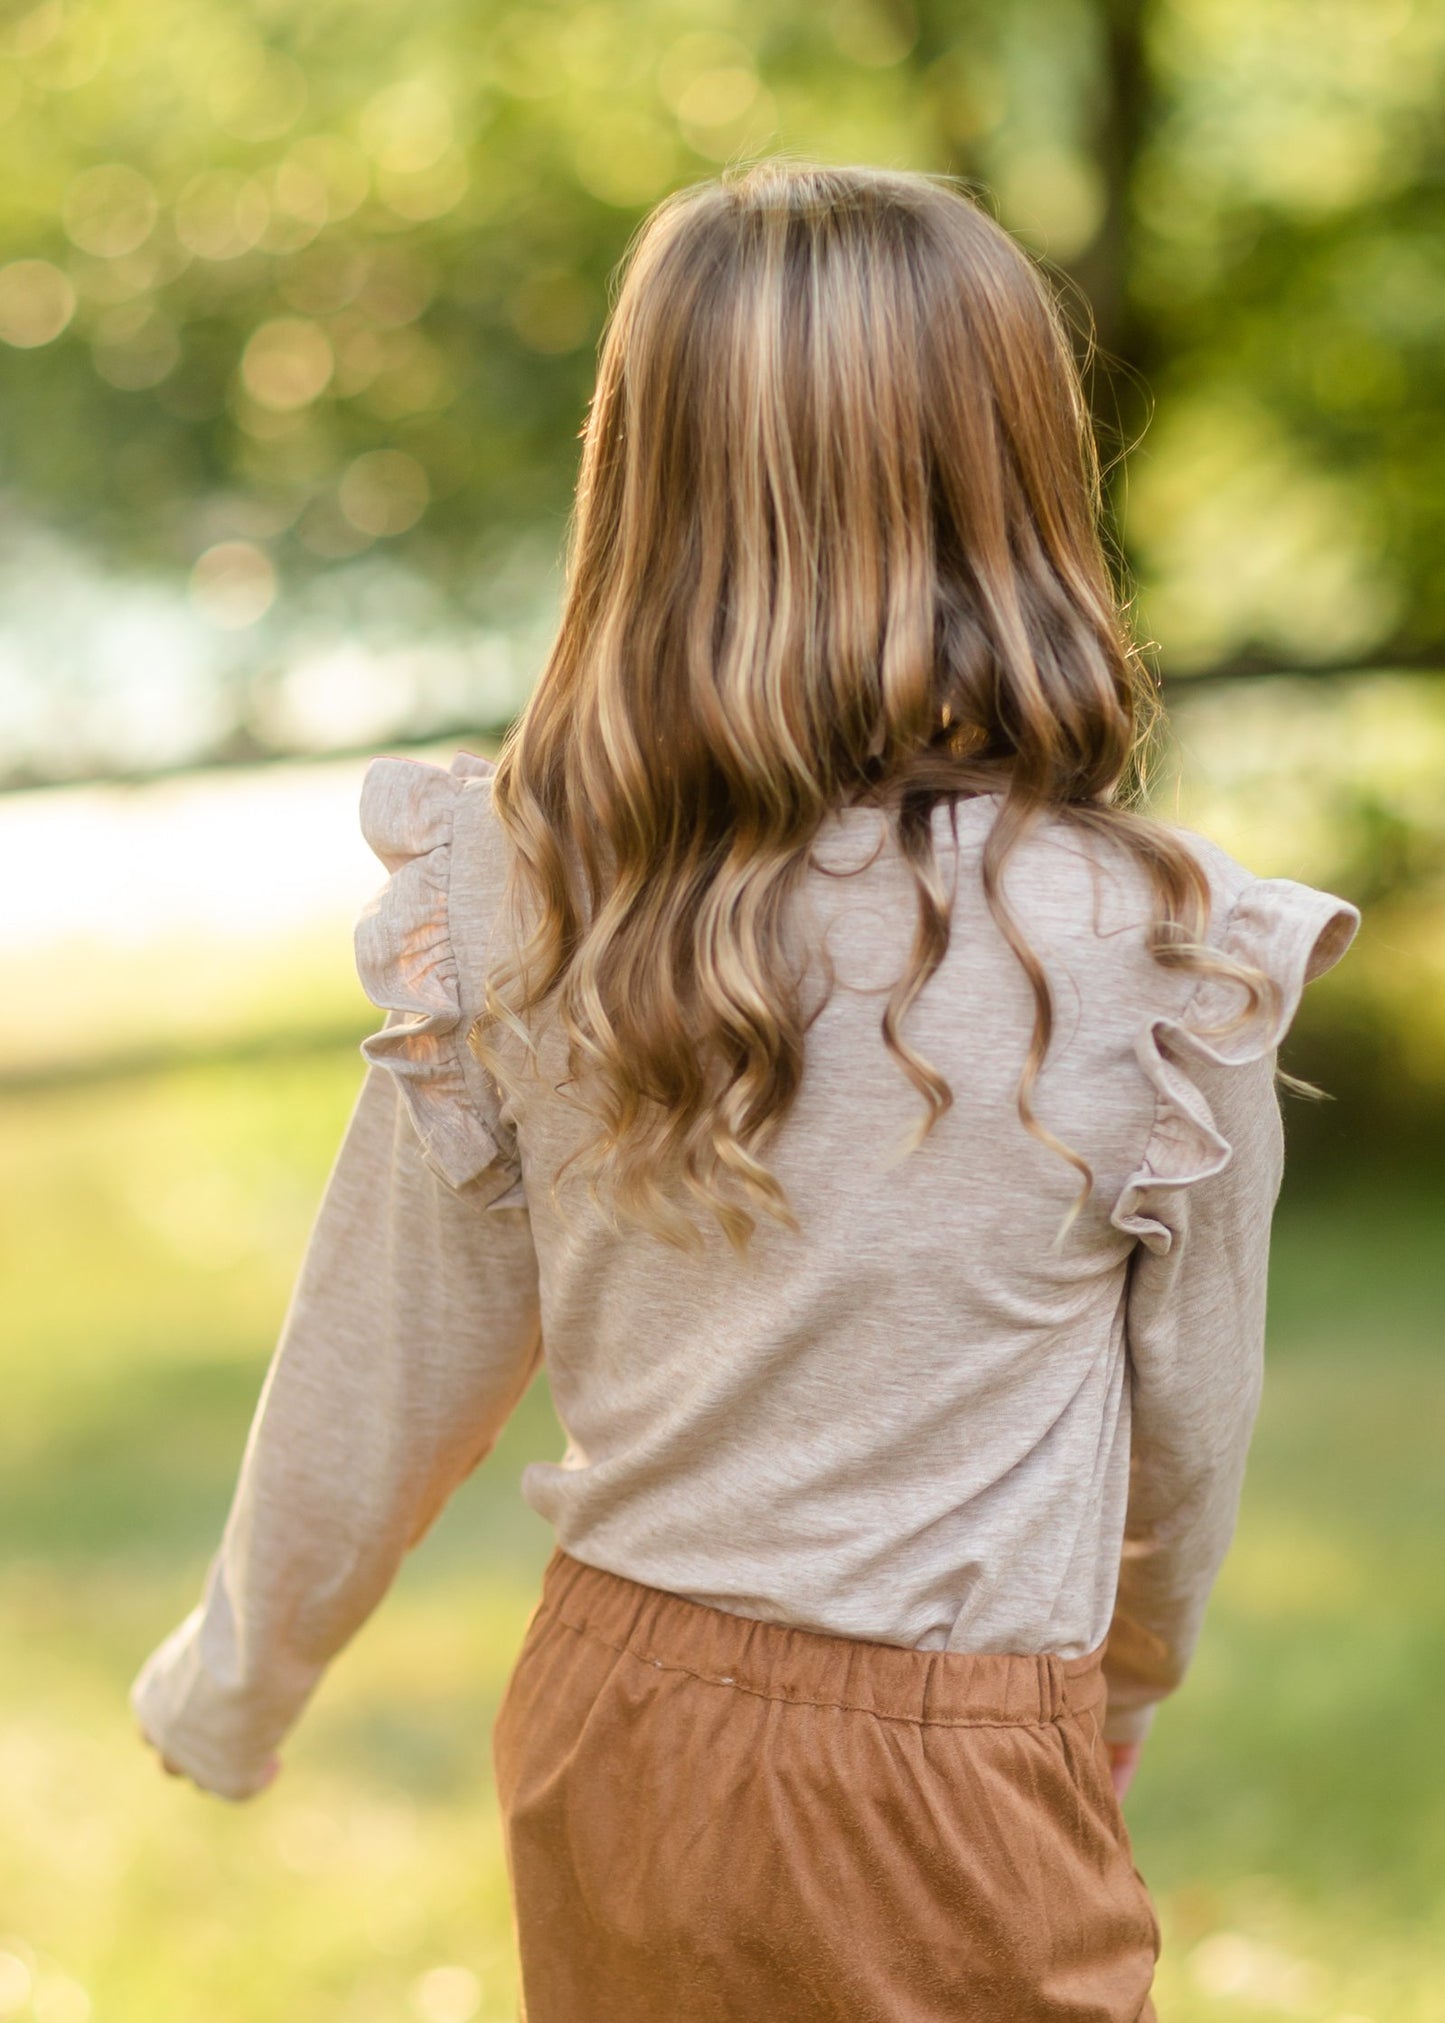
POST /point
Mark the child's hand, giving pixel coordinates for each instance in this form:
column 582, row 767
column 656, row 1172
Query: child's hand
column 1123, row 1762
column 273, row 1767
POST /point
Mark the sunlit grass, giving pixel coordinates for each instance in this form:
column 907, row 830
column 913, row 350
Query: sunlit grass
column 1289, row 1813
column 374, row 1863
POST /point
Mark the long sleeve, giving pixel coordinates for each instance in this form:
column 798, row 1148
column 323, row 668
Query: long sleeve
column 414, row 1324
column 1195, row 1329
column 1201, row 1205
column 411, row 1333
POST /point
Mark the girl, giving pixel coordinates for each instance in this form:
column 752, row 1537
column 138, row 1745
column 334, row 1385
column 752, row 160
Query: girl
column 798, row 1040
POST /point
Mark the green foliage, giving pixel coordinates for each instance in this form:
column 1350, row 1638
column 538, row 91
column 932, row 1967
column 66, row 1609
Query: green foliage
column 338, row 271
column 280, row 287
column 1288, row 293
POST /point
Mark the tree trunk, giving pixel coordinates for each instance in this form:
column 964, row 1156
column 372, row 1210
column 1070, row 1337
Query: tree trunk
column 1124, row 109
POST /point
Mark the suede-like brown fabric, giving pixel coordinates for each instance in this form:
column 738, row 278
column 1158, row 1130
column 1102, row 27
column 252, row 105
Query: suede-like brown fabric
column 715, row 1819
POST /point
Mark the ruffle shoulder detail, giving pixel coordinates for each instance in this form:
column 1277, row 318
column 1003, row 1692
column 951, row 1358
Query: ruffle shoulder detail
column 408, row 967
column 1293, row 933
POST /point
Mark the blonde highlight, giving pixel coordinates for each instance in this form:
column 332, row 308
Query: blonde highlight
column 836, row 541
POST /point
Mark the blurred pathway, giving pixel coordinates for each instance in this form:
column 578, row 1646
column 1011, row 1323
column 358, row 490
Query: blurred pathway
column 196, row 913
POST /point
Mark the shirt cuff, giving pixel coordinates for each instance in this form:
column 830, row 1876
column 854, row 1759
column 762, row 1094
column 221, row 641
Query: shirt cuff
column 198, row 1725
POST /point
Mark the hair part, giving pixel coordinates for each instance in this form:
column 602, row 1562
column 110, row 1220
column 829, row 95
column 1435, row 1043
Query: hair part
column 836, row 540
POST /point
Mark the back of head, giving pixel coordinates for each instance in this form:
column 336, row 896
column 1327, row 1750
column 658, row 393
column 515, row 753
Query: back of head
column 837, row 505
column 835, row 540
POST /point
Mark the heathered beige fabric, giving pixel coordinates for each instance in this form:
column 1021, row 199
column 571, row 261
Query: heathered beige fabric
column 916, row 1422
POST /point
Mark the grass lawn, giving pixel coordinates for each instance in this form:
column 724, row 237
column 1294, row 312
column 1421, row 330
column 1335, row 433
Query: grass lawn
column 1289, row 1813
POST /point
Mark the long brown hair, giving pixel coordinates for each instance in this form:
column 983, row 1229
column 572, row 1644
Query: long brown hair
column 835, row 541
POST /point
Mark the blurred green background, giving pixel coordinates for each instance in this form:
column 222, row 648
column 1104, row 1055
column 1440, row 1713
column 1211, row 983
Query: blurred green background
column 298, row 309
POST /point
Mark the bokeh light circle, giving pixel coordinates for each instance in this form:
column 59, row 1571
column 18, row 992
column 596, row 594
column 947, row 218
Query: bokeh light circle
column 37, row 301
column 384, row 492
column 233, row 584
column 109, row 210
column 287, row 364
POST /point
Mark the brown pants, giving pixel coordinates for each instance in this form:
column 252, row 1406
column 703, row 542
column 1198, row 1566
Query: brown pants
column 712, row 1819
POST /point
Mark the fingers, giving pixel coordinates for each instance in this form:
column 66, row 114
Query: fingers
column 270, row 1773
column 1123, row 1762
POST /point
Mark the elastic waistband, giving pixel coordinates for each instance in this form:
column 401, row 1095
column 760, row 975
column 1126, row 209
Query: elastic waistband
column 781, row 1662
